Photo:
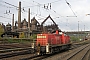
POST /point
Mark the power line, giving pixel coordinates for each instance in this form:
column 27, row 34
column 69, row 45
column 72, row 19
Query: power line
column 50, row 7
column 70, row 8
column 44, row 5
column 12, row 5
column 55, row 1
column 5, row 17
column 47, row 3
column 38, row 4
column 5, row 6
column 9, row 4
column 29, row 4
column 32, row 13
column 36, row 14
column 15, row 7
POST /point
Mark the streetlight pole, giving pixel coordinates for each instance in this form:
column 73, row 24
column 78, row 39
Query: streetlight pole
column 84, row 27
column 78, row 29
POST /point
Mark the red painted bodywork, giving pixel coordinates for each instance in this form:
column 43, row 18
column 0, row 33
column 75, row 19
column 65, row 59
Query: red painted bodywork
column 52, row 39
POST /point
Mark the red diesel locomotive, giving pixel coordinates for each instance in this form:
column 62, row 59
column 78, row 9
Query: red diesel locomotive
column 51, row 43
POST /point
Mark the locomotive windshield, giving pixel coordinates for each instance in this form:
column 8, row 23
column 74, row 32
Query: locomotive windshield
column 41, row 36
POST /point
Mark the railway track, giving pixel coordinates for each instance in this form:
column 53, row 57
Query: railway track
column 14, row 45
column 67, row 54
column 86, row 55
column 14, row 49
column 44, row 57
column 25, row 54
column 13, row 53
column 31, row 57
column 37, row 57
column 80, row 55
column 8, row 51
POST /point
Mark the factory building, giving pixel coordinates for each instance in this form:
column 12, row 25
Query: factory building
column 28, row 27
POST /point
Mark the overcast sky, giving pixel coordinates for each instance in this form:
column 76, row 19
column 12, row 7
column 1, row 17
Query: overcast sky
column 63, row 12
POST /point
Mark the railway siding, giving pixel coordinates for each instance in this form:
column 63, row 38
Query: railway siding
column 86, row 55
column 25, row 53
column 80, row 54
column 15, row 49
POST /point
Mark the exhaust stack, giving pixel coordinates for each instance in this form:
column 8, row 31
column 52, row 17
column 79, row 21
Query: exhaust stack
column 57, row 32
column 29, row 18
column 13, row 23
column 19, row 16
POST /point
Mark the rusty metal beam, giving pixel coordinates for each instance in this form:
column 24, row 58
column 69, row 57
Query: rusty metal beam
column 46, row 20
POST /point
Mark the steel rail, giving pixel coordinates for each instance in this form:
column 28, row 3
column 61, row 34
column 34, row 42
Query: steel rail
column 31, row 57
column 85, row 54
column 14, row 49
column 77, row 52
column 15, row 53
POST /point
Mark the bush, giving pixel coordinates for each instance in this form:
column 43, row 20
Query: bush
column 74, row 38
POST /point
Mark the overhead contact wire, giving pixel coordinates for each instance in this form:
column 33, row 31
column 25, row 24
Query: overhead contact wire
column 70, row 7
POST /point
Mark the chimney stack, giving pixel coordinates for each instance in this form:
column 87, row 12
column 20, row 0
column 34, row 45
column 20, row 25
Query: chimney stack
column 29, row 18
column 13, row 23
column 19, row 16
